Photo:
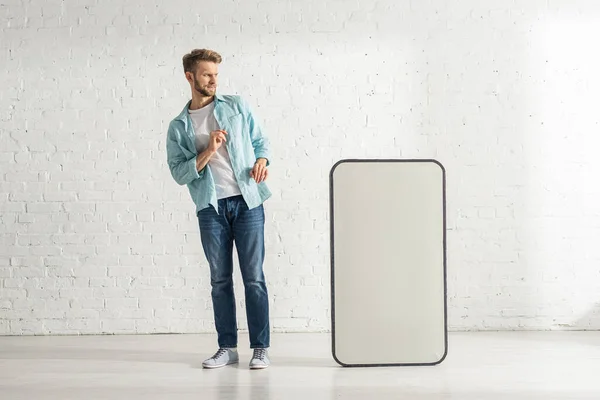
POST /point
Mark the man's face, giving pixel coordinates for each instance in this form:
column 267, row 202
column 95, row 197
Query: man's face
column 204, row 81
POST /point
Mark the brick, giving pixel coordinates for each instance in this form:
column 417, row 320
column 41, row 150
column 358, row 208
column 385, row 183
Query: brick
column 12, row 293
column 118, row 325
column 42, row 293
column 54, row 326
column 100, row 262
column 159, row 303
column 152, row 326
column 113, row 250
column 103, row 282
column 5, row 327
column 29, row 272
column 22, row 177
column 21, row 327
column 79, row 250
column 12, row 207
column 109, row 292
column 45, row 208
column 60, row 197
column 87, row 322
column 118, row 304
column 87, row 304
column 64, row 262
column 160, row 271
column 290, row 324
column 124, row 271
column 76, row 293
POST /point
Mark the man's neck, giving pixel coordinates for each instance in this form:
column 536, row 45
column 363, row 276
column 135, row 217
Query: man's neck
column 200, row 101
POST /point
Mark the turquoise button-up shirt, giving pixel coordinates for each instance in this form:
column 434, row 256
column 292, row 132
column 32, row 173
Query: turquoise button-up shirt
column 245, row 144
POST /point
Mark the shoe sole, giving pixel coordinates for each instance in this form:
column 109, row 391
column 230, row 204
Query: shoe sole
column 259, row 366
column 218, row 366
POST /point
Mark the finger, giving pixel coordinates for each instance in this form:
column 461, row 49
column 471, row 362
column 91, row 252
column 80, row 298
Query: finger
column 266, row 174
column 259, row 173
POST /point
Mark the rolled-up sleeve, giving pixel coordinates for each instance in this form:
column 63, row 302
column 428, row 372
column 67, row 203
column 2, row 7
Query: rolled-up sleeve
column 182, row 163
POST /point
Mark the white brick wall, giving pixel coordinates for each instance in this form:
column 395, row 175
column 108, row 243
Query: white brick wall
column 96, row 237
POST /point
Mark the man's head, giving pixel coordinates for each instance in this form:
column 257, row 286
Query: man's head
column 201, row 70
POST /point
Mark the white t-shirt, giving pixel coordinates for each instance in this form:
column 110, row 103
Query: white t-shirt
column 204, row 122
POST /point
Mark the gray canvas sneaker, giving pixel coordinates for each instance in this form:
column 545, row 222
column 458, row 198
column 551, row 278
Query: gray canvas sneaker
column 260, row 359
column 222, row 358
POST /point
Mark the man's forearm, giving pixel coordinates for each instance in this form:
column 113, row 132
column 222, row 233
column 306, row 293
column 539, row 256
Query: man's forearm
column 202, row 159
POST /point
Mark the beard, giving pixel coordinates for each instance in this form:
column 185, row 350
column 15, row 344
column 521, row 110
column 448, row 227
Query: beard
column 204, row 91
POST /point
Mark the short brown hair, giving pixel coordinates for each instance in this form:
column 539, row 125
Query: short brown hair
column 191, row 59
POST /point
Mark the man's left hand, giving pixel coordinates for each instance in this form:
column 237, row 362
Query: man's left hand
column 260, row 173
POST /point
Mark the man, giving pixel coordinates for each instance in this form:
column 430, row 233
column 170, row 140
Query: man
column 218, row 150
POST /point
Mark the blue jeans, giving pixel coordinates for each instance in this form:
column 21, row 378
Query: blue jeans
column 236, row 223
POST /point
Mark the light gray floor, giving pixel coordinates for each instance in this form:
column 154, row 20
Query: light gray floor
column 480, row 366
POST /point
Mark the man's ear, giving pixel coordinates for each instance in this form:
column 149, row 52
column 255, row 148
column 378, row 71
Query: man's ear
column 189, row 77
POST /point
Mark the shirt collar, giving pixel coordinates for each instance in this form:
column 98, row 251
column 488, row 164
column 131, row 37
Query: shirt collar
column 185, row 112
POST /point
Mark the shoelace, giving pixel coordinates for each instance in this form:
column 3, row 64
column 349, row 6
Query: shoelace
column 260, row 354
column 219, row 353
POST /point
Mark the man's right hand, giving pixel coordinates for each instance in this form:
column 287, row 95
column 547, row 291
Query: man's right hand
column 217, row 138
